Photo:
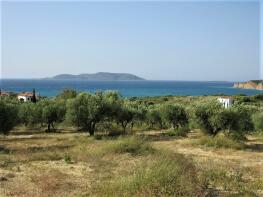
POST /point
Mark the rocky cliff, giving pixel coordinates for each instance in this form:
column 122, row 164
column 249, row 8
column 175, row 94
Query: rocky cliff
column 253, row 84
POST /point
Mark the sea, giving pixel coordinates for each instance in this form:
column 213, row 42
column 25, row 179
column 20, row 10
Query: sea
column 51, row 88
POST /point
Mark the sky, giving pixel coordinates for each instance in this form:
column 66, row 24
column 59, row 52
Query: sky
column 173, row 40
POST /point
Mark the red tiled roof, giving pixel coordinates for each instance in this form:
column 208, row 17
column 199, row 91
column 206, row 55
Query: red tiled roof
column 4, row 94
column 225, row 97
column 28, row 94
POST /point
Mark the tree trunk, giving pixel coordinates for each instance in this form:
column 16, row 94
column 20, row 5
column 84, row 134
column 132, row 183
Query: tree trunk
column 151, row 125
column 48, row 127
column 124, row 126
column 52, row 125
column 91, row 132
column 132, row 126
column 91, row 128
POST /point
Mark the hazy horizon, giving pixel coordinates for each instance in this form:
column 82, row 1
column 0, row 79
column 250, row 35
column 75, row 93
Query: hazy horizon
column 182, row 41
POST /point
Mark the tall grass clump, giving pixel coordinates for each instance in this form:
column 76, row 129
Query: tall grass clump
column 132, row 145
column 164, row 174
column 179, row 132
column 219, row 141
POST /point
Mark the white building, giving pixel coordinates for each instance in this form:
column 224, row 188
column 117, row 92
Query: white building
column 25, row 97
column 226, row 101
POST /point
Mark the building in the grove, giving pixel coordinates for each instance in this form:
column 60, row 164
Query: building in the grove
column 226, row 101
column 2, row 94
column 25, row 97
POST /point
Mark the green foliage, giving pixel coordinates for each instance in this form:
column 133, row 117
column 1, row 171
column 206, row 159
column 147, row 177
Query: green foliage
column 244, row 115
column 67, row 94
column 86, row 110
column 126, row 113
column 153, row 117
column 258, row 121
column 133, row 146
column 8, row 116
column 67, row 159
column 30, row 113
column 53, row 112
column 179, row 132
column 109, row 111
column 174, row 115
column 206, row 114
column 34, row 99
column 219, row 141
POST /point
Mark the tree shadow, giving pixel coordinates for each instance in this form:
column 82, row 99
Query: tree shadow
column 255, row 147
column 159, row 137
column 4, row 150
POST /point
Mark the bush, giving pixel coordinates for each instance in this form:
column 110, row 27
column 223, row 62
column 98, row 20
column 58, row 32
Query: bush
column 258, row 121
column 132, row 145
column 85, row 111
column 67, row 159
column 219, row 141
column 180, row 132
column 8, row 116
column 206, row 115
column 174, row 115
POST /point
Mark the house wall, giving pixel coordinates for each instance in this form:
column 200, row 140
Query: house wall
column 25, row 98
column 226, row 102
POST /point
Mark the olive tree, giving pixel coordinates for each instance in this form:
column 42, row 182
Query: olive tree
column 8, row 116
column 85, row 111
column 153, row 117
column 125, row 114
column 30, row 113
column 24, row 113
column 67, row 94
column 258, row 121
column 53, row 112
column 208, row 117
column 174, row 115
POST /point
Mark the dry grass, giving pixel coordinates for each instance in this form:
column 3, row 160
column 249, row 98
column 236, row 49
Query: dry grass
column 227, row 169
column 73, row 164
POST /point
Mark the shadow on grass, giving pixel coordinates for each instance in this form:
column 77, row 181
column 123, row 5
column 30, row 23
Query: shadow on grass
column 255, row 147
column 49, row 148
column 159, row 137
column 4, row 150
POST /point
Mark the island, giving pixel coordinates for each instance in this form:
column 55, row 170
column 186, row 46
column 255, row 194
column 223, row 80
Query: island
column 252, row 84
column 100, row 76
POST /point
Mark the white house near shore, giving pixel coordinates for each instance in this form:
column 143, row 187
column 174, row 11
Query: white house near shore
column 226, row 101
column 25, row 97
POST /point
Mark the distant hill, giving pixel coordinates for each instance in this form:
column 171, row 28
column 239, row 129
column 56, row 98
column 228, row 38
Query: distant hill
column 252, row 84
column 100, row 76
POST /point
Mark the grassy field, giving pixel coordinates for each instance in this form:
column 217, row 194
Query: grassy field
column 146, row 164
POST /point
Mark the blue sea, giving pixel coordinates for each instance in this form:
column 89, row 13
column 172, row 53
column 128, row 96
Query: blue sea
column 51, row 88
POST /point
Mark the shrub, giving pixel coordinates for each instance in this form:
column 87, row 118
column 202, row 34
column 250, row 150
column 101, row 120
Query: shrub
column 8, row 116
column 153, row 117
column 67, row 159
column 67, row 94
column 180, row 132
column 206, row 115
column 53, row 112
column 219, row 141
column 258, row 121
column 132, row 145
column 85, row 111
column 174, row 115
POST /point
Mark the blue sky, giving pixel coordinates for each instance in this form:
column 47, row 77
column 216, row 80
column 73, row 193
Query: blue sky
column 155, row 40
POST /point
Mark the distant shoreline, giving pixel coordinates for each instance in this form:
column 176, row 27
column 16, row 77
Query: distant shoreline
column 253, row 84
column 149, row 80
